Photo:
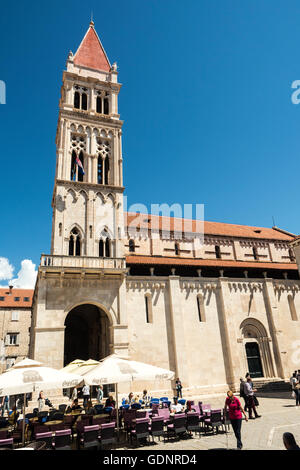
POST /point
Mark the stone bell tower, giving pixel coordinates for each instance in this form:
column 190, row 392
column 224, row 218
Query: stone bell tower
column 87, row 200
column 81, row 283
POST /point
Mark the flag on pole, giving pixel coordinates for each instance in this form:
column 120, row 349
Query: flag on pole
column 80, row 165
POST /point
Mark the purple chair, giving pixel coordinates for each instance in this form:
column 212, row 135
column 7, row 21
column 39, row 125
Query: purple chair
column 214, row 420
column 157, row 427
column 141, row 429
column 4, row 434
column 154, row 406
column 62, row 440
column 129, row 416
column 107, row 433
column 193, row 422
column 89, row 437
column 45, row 437
column 178, row 427
column 165, row 414
column 7, row 443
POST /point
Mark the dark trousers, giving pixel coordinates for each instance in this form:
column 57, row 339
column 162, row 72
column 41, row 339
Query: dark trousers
column 297, row 393
column 236, row 426
column 251, row 406
column 179, row 393
column 85, row 399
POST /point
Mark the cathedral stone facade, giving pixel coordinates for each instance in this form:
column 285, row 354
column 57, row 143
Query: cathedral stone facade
column 121, row 282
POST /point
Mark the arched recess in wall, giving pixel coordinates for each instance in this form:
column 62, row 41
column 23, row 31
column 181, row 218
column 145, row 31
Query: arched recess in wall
column 253, row 331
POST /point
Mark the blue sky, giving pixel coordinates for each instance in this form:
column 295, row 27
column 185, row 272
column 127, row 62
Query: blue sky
column 206, row 101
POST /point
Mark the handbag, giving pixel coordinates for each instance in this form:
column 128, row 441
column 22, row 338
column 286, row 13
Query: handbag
column 297, row 386
column 256, row 403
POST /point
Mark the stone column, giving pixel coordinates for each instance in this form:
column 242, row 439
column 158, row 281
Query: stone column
column 177, row 331
column 223, row 326
column 272, row 311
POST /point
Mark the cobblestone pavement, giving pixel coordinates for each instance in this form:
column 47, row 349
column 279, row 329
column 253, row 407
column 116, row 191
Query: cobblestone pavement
column 279, row 415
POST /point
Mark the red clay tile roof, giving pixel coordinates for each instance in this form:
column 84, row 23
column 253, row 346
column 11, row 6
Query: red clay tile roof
column 91, row 53
column 155, row 260
column 210, row 228
column 9, row 298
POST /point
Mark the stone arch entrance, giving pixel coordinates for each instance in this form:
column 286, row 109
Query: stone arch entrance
column 87, row 334
column 256, row 348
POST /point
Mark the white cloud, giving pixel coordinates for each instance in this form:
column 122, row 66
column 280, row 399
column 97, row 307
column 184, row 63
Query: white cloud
column 6, row 269
column 26, row 276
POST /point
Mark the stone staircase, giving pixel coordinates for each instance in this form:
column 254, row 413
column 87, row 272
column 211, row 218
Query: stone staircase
column 272, row 385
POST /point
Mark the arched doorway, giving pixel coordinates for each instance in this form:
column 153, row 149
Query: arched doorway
column 256, row 345
column 86, row 334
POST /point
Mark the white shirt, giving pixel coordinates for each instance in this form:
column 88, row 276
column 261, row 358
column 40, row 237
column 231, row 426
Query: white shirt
column 176, row 408
column 86, row 390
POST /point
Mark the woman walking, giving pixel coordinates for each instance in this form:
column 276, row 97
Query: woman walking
column 233, row 404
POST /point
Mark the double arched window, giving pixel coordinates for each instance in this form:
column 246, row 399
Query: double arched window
column 75, row 243
column 105, row 245
column 76, row 171
column 80, row 99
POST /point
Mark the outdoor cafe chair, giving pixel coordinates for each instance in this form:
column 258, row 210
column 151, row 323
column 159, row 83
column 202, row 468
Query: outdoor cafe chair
column 214, row 421
column 165, row 414
column 182, row 401
column 62, row 408
column 141, row 429
column 89, row 437
column 7, row 443
column 157, row 427
column 45, row 437
column 193, row 422
column 62, row 440
column 107, row 433
column 178, row 427
column 98, row 408
column 4, row 434
column 226, row 421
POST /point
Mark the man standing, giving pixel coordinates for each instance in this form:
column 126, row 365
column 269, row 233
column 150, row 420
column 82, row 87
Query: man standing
column 86, row 394
column 100, row 394
column 178, row 387
column 249, row 392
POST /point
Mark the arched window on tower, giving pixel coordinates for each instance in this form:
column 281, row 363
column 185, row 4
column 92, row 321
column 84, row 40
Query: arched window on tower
column 80, row 173
column 99, row 105
column 105, row 245
column 84, row 101
column 131, row 246
column 77, row 100
column 73, row 166
column 106, row 176
column 100, row 170
column 177, row 250
column 106, row 106
column 74, row 243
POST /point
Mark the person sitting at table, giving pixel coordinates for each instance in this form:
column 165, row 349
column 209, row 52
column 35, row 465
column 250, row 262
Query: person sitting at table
column 146, row 399
column 90, row 410
column 13, row 415
column 177, row 407
column 110, row 402
column 189, row 407
column 75, row 405
column 130, row 398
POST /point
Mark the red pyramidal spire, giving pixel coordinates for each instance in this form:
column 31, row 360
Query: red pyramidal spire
column 90, row 53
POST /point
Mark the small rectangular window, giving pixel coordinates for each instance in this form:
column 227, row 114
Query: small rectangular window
column 12, row 339
column 17, row 299
column 2, row 299
column 14, row 316
column 26, row 299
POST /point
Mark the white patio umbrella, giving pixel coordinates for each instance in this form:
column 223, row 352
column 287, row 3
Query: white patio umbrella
column 115, row 369
column 72, row 366
column 29, row 376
